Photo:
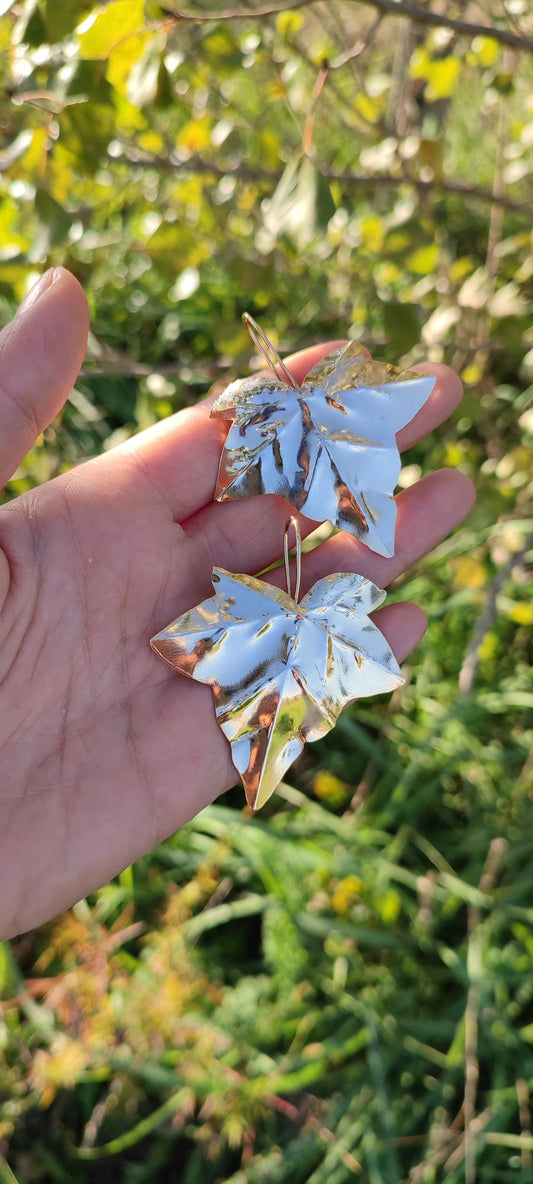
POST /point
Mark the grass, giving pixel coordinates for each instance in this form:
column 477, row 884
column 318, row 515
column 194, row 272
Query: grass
column 341, row 987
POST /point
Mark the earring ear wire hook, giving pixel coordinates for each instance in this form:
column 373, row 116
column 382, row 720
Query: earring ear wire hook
column 298, row 542
column 266, row 348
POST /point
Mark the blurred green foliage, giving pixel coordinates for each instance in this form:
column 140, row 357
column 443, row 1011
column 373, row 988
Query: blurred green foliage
column 343, row 987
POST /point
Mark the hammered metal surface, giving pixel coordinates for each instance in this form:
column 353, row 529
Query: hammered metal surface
column 328, row 448
column 280, row 672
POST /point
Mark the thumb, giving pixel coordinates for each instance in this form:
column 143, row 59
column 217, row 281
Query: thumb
column 41, row 351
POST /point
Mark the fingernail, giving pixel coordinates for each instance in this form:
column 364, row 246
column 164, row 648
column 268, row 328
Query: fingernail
column 38, row 290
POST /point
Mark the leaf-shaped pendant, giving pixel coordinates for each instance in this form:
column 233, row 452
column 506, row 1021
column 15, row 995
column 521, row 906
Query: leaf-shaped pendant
column 327, row 447
column 281, row 671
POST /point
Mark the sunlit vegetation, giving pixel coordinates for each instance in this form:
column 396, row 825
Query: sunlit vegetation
column 342, row 987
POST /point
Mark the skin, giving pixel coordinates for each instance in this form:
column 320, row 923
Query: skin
column 105, row 751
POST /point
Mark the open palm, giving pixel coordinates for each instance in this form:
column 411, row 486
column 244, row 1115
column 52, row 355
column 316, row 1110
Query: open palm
column 104, row 751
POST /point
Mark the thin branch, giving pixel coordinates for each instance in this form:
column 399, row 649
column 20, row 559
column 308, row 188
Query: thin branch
column 475, row 967
column 487, row 618
column 103, row 360
column 498, row 184
column 401, row 8
column 237, row 14
column 484, row 622
column 350, row 181
column 425, row 16
column 458, row 1155
column 129, row 368
column 354, row 180
column 359, row 47
column 471, row 1053
column 524, row 1114
column 307, row 139
column 443, row 1136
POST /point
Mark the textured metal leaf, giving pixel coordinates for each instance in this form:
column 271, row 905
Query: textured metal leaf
column 280, row 672
column 328, row 448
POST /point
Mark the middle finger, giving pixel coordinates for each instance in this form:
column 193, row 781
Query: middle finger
column 427, row 513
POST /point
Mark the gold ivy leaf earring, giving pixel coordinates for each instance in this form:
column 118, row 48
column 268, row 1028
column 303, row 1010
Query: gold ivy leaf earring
column 329, row 446
column 281, row 670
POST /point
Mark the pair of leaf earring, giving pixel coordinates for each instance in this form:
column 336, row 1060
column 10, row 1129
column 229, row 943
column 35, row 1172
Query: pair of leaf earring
column 282, row 669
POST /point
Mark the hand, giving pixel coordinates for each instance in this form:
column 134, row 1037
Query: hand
column 105, row 751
